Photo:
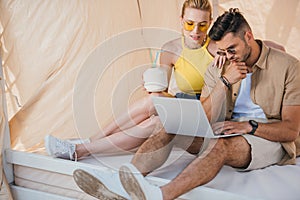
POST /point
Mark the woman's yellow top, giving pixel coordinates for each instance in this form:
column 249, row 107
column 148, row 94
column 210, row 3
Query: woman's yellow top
column 190, row 68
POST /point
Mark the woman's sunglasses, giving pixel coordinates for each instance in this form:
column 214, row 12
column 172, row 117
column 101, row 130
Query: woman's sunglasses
column 190, row 25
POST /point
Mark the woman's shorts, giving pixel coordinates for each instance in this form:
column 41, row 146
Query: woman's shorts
column 187, row 96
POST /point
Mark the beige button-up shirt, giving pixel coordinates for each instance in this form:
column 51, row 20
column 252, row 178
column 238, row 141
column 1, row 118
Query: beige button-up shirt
column 275, row 82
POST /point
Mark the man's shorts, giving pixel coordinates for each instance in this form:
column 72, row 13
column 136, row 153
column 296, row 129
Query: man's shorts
column 263, row 152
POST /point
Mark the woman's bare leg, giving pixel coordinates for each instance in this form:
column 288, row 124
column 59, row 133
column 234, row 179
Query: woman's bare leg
column 137, row 112
column 121, row 141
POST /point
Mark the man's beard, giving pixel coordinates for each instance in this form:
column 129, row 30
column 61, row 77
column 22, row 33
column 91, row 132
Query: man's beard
column 247, row 55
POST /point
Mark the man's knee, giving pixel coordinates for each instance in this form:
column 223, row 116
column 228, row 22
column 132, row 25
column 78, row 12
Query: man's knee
column 218, row 146
column 164, row 136
column 235, row 151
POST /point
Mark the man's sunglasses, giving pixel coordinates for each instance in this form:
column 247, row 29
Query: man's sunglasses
column 229, row 51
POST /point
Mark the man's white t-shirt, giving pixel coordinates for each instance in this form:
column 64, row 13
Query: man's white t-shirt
column 244, row 106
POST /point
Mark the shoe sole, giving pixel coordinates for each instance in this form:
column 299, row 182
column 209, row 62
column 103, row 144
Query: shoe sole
column 131, row 184
column 92, row 186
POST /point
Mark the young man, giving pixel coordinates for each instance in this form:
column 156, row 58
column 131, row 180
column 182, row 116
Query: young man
column 257, row 83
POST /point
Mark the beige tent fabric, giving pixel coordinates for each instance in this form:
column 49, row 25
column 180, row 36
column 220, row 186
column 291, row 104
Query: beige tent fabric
column 45, row 46
column 271, row 19
column 47, row 49
column 47, row 42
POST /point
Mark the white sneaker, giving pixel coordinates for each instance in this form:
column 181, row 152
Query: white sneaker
column 103, row 185
column 60, row 148
column 137, row 186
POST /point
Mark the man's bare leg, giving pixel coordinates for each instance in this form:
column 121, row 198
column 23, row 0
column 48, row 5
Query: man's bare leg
column 161, row 145
column 233, row 151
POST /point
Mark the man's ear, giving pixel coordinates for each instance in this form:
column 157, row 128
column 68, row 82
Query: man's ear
column 248, row 36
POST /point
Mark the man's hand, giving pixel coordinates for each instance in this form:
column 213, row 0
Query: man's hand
column 230, row 127
column 235, row 72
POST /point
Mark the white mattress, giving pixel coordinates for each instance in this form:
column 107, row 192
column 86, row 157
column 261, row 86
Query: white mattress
column 274, row 182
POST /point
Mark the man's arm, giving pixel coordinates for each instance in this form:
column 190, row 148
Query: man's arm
column 213, row 103
column 214, row 92
column 285, row 130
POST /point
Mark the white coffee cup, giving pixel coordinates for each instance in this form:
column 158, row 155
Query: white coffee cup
column 155, row 79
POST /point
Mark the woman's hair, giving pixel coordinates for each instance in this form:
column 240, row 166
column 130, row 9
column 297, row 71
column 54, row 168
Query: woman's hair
column 231, row 21
column 198, row 4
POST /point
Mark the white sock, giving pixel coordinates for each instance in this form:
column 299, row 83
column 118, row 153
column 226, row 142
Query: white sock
column 87, row 140
column 79, row 141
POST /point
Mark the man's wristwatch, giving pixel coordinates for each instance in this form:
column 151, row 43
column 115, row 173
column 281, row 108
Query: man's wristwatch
column 254, row 125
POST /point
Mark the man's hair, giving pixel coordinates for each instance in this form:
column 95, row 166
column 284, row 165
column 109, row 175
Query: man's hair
column 197, row 4
column 231, row 21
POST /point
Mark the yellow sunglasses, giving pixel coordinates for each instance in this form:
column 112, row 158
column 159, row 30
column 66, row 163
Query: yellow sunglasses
column 190, row 25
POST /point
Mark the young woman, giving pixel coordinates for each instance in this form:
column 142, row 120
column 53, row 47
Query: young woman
column 189, row 56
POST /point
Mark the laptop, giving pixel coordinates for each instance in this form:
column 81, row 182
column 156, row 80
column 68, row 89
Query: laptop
column 184, row 117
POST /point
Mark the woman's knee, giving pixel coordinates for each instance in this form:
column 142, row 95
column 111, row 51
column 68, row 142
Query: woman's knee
column 153, row 123
column 143, row 106
column 149, row 102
